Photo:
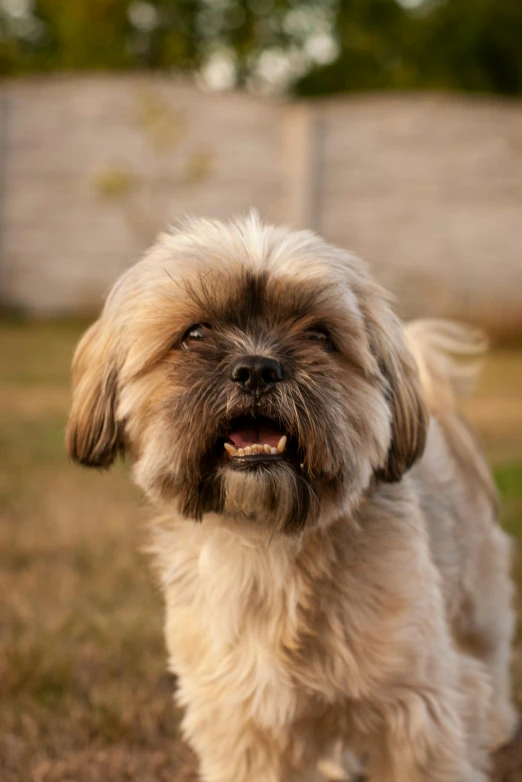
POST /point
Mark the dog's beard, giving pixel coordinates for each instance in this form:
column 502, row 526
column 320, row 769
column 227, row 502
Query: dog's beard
column 186, row 459
column 279, row 490
column 268, row 494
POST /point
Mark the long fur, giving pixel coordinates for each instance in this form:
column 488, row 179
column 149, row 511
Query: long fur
column 349, row 605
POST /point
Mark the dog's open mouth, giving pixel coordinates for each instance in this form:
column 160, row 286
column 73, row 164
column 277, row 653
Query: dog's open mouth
column 255, row 439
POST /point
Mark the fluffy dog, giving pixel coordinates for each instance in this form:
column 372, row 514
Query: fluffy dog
column 333, row 572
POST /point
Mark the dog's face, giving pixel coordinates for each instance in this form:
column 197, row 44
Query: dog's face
column 250, row 372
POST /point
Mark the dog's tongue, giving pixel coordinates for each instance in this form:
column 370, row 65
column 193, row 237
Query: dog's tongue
column 261, row 433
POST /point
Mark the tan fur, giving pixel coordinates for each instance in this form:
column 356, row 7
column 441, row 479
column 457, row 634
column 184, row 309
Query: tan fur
column 379, row 626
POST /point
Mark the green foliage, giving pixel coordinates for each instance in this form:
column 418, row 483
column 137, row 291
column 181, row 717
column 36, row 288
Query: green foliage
column 469, row 45
column 378, row 42
column 474, row 45
column 309, row 46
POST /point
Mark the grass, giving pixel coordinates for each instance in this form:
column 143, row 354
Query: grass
column 83, row 689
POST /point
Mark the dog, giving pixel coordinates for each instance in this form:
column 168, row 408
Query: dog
column 336, row 584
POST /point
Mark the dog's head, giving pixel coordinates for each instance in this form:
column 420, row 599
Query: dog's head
column 248, row 371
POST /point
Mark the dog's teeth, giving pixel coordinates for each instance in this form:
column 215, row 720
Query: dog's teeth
column 256, row 449
column 281, row 444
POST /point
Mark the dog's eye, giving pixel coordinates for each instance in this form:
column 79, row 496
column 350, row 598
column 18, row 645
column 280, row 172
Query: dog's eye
column 320, row 335
column 194, row 334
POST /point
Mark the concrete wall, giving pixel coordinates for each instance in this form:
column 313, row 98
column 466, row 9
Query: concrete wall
column 428, row 189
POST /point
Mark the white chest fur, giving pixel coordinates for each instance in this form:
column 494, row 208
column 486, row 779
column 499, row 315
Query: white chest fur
column 231, row 613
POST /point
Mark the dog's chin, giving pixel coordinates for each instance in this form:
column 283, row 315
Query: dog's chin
column 253, row 474
column 270, row 494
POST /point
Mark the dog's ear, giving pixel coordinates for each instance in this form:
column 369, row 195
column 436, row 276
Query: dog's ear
column 402, row 387
column 93, row 436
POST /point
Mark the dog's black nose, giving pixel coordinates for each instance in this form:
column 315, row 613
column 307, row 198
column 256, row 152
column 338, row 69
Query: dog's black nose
column 256, row 374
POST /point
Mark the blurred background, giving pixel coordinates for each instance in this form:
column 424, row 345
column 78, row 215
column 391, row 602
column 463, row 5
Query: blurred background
column 393, row 127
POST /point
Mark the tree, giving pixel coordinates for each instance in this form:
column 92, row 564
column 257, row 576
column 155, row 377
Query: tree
column 310, row 46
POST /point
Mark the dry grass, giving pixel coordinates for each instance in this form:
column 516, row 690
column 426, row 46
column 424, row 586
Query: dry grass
column 83, row 686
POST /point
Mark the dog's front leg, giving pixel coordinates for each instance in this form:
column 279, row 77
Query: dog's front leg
column 230, row 750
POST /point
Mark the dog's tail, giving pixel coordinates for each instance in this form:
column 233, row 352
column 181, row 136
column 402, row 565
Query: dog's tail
column 449, row 356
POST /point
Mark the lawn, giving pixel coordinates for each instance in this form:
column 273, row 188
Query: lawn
column 83, row 689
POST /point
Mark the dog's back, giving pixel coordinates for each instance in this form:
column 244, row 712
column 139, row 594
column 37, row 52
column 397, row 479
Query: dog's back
column 459, row 499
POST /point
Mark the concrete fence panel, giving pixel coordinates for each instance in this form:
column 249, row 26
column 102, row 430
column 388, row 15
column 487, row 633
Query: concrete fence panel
column 427, row 188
